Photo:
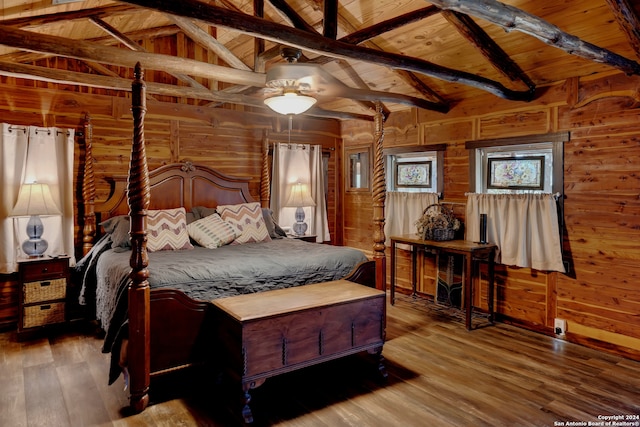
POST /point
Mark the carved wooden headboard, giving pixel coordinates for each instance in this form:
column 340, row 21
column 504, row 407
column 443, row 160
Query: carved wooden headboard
column 180, row 184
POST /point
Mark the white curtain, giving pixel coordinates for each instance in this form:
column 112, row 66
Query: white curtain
column 294, row 163
column 403, row 209
column 43, row 155
column 524, row 226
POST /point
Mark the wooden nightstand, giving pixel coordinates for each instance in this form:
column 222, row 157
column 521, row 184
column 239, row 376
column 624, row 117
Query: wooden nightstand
column 306, row 237
column 43, row 292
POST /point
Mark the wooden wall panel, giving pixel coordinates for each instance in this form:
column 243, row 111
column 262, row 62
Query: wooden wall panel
column 447, row 131
column 518, row 123
column 599, row 297
column 356, row 208
column 230, row 141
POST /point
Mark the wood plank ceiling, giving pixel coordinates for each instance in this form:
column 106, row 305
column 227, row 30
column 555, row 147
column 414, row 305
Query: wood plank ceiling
column 404, row 53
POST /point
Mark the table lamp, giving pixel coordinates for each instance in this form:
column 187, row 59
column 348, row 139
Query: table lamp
column 35, row 200
column 299, row 197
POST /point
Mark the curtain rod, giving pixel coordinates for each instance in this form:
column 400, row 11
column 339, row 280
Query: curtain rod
column 24, row 129
column 273, row 145
column 555, row 195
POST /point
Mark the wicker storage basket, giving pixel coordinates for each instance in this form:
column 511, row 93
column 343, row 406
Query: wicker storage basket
column 441, row 234
column 437, row 223
column 45, row 290
column 40, row 315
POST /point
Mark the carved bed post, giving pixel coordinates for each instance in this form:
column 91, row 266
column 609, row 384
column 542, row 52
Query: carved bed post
column 265, row 180
column 379, row 195
column 88, row 190
column 138, row 196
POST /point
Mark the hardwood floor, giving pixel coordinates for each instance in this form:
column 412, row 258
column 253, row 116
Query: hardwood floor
column 439, row 375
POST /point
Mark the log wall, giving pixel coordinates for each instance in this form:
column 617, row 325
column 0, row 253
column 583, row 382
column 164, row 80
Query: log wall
column 227, row 140
column 600, row 295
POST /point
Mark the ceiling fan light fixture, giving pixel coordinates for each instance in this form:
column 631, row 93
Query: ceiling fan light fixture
column 290, row 103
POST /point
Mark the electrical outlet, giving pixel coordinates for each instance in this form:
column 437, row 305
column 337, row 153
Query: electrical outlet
column 560, row 326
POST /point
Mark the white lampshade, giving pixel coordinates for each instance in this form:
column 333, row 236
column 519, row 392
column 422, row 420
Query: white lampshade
column 290, row 103
column 35, row 199
column 299, row 196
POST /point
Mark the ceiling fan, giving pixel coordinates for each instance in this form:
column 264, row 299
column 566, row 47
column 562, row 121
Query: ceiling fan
column 297, row 86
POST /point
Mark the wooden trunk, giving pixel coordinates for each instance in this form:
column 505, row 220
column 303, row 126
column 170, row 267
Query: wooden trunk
column 271, row 333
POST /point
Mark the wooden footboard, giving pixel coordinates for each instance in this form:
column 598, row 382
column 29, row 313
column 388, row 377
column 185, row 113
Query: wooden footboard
column 187, row 325
column 183, row 322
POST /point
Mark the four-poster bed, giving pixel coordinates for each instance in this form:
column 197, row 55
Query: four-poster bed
column 169, row 310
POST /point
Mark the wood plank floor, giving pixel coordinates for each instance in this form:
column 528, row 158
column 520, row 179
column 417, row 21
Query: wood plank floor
column 439, row 375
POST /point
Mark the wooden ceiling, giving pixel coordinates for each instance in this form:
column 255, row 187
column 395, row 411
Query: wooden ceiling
column 405, row 53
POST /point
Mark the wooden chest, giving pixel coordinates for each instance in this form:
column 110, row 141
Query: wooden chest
column 269, row 333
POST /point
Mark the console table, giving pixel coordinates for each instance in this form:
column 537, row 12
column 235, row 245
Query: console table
column 473, row 253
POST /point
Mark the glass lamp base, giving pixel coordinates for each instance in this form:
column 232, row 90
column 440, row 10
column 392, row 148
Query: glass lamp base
column 300, row 228
column 35, row 247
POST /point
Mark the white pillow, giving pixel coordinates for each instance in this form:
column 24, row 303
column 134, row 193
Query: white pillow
column 246, row 217
column 167, row 230
column 212, row 232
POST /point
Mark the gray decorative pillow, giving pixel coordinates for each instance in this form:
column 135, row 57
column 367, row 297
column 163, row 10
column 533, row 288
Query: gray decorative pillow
column 275, row 231
column 200, row 212
column 118, row 228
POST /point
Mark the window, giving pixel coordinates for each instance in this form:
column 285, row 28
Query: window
column 410, row 170
column 358, row 168
column 514, row 175
column 517, row 165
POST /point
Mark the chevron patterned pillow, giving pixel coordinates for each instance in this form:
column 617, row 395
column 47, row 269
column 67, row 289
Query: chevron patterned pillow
column 167, row 230
column 247, row 217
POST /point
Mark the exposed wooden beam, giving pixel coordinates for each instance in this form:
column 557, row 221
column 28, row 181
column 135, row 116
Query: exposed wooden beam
column 257, row 27
column 487, row 47
column 137, row 48
column 330, row 21
column 292, row 15
column 364, row 35
column 259, row 64
column 628, row 20
column 83, row 50
column 330, row 8
column 391, row 24
column 118, row 83
column 511, row 18
column 201, row 37
column 355, row 77
column 52, row 18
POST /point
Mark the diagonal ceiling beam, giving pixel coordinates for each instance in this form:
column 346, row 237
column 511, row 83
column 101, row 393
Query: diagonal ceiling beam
column 487, row 46
column 628, row 20
column 137, row 48
column 83, row 50
column 118, row 83
column 292, row 15
column 201, row 37
column 511, row 18
column 257, row 27
column 52, row 18
column 357, row 37
column 365, row 34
